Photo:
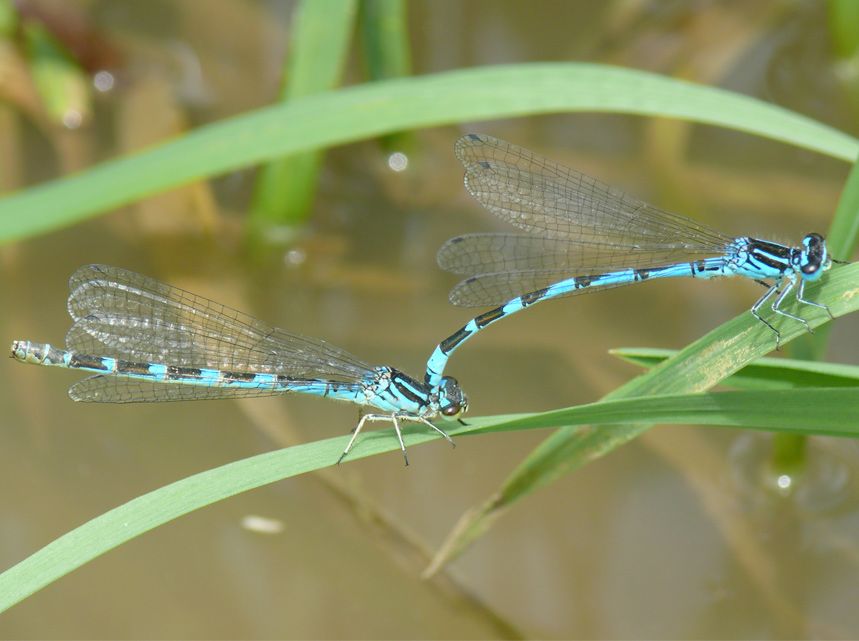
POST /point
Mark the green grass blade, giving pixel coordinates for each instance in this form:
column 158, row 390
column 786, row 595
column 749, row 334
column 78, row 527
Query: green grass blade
column 808, row 411
column 374, row 109
column 698, row 367
column 762, row 374
column 146, row 512
column 811, row 411
column 318, row 45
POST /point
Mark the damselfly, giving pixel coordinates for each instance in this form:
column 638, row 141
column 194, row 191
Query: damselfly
column 583, row 235
column 147, row 341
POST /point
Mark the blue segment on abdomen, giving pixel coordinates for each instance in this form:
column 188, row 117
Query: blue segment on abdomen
column 156, row 371
column 262, row 380
column 210, row 377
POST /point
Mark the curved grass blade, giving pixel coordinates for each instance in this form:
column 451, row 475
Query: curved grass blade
column 807, row 411
column 373, row 109
column 762, row 374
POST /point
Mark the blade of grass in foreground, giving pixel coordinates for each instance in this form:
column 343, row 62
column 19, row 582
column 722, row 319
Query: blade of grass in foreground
column 762, row 374
column 697, row 368
column 378, row 108
column 701, row 365
column 816, row 411
column 810, row 410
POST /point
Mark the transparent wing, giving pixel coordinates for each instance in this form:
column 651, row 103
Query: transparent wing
column 125, row 315
column 550, row 200
column 115, row 389
column 489, row 253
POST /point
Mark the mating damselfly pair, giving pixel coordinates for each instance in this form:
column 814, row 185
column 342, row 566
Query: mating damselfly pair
column 147, row 341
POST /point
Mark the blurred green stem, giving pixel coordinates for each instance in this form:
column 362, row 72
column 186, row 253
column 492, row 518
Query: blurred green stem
column 384, row 28
column 844, row 33
column 8, row 19
column 63, row 86
column 318, row 44
column 788, row 453
column 844, row 27
column 385, row 42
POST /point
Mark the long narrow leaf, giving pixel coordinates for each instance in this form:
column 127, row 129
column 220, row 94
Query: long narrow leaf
column 809, row 411
column 812, row 411
column 764, row 373
column 378, row 108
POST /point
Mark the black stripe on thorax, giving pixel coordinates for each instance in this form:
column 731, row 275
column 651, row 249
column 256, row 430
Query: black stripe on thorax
column 407, row 387
column 772, row 255
column 769, row 261
column 774, row 249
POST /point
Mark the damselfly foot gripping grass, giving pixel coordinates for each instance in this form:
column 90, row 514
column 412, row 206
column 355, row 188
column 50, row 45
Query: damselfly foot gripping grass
column 583, row 235
column 147, row 341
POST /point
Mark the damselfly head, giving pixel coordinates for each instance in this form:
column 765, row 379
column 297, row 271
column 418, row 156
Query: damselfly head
column 451, row 399
column 814, row 258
